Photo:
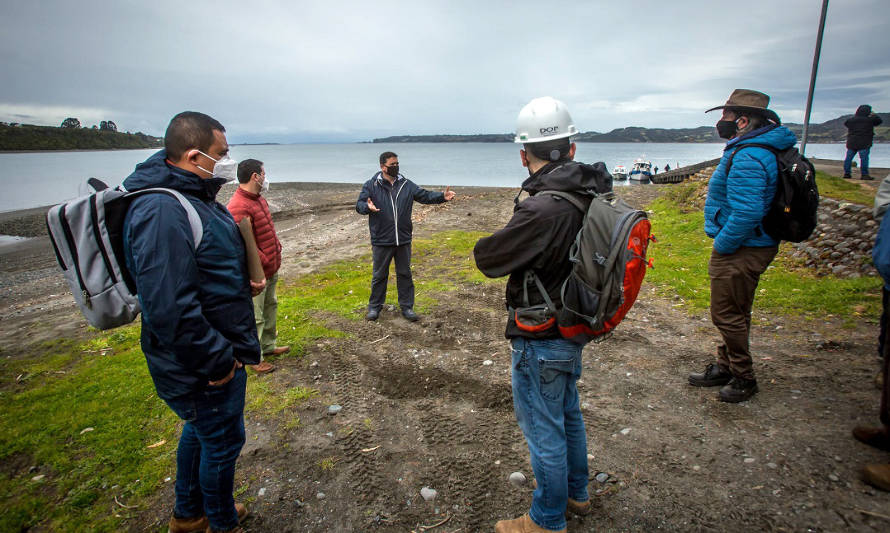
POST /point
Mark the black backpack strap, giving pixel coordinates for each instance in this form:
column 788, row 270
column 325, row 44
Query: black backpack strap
column 573, row 199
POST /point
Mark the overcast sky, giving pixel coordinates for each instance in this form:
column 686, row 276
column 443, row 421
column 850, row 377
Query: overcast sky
column 302, row 71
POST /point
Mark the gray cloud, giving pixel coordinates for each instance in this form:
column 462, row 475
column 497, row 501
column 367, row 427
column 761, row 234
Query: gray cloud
column 297, row 71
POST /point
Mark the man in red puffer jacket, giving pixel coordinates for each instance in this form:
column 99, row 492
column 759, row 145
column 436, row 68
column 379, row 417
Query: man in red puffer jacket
column 248, row 202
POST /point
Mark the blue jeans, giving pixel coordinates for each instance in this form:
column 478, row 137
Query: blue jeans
column 545, row 400
column 863, row 160
column 211, row 441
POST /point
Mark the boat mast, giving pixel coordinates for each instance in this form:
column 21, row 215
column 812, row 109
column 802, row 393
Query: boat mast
column 806, row 120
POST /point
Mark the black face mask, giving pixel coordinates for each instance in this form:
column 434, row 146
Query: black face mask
column 727, row 129
column 393, row 171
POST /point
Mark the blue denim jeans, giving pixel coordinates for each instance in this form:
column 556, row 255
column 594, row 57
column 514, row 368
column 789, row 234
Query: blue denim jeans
column 863, row 160
column 545, row 400
column 211, row 441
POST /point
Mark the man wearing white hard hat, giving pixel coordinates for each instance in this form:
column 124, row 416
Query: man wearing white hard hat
column 545, row 366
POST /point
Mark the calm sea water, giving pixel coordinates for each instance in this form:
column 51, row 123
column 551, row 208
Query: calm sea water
column 38, row 179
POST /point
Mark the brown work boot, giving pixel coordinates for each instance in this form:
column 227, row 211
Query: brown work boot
column 578, row 508
column 523, row 524
column 877, row 476
column 878, row 437
column 263, row 368
column 242, row 514
column 281, row 350
column 187, row 525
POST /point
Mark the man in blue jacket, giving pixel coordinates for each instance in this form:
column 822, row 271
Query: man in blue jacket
column 387, row 199
column 198, row 327
column 738, row 198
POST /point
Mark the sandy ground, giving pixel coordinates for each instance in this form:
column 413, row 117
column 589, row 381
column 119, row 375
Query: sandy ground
column 422, row 408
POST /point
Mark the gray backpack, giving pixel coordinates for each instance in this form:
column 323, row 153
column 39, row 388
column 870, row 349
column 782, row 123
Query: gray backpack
column 608, row 264
column 87, row 236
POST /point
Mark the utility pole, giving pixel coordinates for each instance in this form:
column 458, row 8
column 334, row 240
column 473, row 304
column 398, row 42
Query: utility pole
column 806, row 119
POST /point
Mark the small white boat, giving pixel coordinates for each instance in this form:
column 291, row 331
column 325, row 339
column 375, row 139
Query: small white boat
column 641, row 171
column 619, row 173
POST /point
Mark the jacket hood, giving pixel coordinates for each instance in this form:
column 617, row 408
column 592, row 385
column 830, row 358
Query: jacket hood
column 156, row 172
column 778, row 137
column 569, row 176
column 863, row 111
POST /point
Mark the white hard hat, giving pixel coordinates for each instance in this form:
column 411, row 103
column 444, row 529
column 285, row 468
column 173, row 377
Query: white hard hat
column 544, row 119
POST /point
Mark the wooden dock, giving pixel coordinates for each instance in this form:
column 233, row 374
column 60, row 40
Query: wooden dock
column 677, row 175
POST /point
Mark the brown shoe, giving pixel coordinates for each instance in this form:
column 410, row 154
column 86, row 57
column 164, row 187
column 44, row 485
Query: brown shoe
column 877, row 476
column 263, row 368
column 279, row 351
column 187, row 525
column 523, row 524
column 242, row 514
column 578, row 508
column 873, row 436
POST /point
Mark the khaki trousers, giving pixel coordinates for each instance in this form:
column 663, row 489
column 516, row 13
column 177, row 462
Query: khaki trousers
column 265, row 309
column 734, row 279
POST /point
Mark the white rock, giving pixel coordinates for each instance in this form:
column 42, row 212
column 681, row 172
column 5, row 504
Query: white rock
column 625, row 431
column 38, row 477
column 487, row 362
column 320, row 495
column 428, row 494
column 261, row 492
column 749, row 460
column 518, row 479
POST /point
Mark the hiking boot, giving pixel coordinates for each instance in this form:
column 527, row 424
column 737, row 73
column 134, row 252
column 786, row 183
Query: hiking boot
column 242, row 514
column 263, row 368
column 578, row 508
column 877, row 476
column 409, row 314
column 373, row 314
column 847, row 176
column 281, row 350
column 738, row 390
column 523, row 524
column 866, row 177
column 877, row 437
column 187, row 525
column 713, row 375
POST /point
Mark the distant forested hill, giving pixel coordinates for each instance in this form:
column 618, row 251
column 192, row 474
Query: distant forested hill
column 827, row 132
column 28, row 137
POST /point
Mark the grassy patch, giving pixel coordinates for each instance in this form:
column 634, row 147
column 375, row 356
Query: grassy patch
column 846, row 190
column 85, row 413
column 681, row 270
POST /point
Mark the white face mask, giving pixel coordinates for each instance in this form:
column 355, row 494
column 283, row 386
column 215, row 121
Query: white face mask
column 265, row 185
column 225, row 167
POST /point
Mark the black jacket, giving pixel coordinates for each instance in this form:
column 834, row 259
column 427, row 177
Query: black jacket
column 540, row 235
column 861, row 128
column 391, row 226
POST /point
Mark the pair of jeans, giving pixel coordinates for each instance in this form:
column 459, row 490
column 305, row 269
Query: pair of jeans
column 211, row 441
column 265, row 311
column 545, row 399
column 383, row 256
column 863, row 161
column 734, row 279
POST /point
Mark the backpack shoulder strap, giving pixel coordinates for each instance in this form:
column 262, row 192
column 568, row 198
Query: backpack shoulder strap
column 573, row 199
column 190, row 211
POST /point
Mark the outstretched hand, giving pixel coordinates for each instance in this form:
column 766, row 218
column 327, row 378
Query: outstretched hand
column 373, row 208
column 449, row 194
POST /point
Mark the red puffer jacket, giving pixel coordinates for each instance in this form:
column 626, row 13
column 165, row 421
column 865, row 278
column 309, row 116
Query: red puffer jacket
column 246, row 204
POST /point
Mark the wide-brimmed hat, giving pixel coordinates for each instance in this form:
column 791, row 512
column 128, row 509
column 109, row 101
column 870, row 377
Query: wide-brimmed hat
column 748, row 100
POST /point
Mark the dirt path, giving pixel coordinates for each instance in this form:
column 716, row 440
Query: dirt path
column 429, row 404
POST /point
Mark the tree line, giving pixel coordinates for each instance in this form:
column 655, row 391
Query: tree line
column 71, row 136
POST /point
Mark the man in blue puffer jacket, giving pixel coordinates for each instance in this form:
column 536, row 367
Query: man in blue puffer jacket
column 387, row 199
column 738, row 198
column 198, row 327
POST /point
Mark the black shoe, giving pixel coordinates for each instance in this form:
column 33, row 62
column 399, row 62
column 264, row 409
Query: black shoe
column 847, row 177
column 738, row 390
column 866, row 177
column 409, row 314
column 713, row 376
column 373, row 314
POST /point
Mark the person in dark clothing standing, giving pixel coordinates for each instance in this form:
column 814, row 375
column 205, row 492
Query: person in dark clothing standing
column 545, row 366
column 388, row 198
column 197, row 316
column 860, row 134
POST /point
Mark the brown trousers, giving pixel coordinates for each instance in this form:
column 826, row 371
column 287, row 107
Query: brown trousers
column 734, row 279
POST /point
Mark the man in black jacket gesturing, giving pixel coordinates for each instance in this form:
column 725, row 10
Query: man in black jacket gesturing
column 860, row 133
column 545, row 366
column 387, row 198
